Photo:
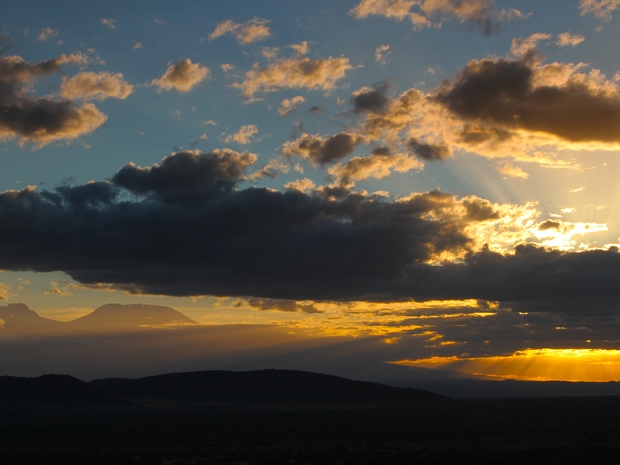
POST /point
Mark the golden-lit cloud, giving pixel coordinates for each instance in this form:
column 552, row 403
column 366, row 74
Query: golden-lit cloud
column 301, row 48
column 535, row 112
column 182, row 76
column 95, row 86
column 567, row 39
column 243, row 135
column 511, row 171
column 599, row 8
column 271, row 169
column 46, row 33
column 294, row 73
column 41, row 120
column 109, row 22
column 381, row 53
column 302, row 185
column 4, row 291
column 253, row 30
column 290, row 105
column 377, row 165
column 594, row 365
column 431, row 13
column 56, row 289
column 520, row 46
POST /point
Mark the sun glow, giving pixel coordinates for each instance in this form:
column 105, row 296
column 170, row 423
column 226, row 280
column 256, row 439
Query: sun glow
column 594, row 365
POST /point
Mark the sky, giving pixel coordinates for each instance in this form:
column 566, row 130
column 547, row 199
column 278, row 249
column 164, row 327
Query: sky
column 435, row 175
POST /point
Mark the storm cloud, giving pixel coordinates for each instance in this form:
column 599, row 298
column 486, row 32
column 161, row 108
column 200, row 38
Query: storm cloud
column 185, row 228
column 503, row 94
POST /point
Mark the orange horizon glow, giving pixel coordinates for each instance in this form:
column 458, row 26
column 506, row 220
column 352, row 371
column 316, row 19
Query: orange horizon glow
column 591, row 365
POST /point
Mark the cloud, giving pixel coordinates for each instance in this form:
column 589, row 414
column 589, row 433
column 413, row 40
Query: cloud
column 253, row 30
column 95, row 86
column 431, row 13
column 46, row 33
column 41, row 120
column 599, row 8
column 288, row 106
column 137, row 46
column 301, row 48
column 430, row 119
column 294, row 73
column 109, row 22
column 428, row 152
column 505, row 95
column 520, row 46
column 283, row 305
column 567, row 39
column 181, row 177
column 511, row 171
column 369, row 99
column 323, row 150
column 182, row 76
column 379, row 164
column 531, row 274
column 55, row 289
column 271, row 169
column 380, row 53
column 269, row 52
column 4, row 291
column 243, row 135
column 185, row 227
column 302, row 185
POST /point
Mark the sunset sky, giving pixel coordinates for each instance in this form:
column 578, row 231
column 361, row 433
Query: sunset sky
column 439, row 175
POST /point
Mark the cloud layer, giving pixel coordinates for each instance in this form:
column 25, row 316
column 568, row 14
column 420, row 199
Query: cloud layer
column 184, row 227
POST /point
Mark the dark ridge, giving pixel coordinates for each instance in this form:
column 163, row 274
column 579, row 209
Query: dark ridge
column 262, row 386
column 52, row 389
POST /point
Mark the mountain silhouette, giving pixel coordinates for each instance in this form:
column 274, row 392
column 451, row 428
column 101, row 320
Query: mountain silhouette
column 132, row 316
column 18, row 319
column 261, row 386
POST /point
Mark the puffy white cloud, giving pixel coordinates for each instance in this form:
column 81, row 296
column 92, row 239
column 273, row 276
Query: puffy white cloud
column 430, row 13
column 95, row 86
column 253, row 30
column 46, row 33
column 567, row 39
column 521, row 46
column 294, row 73
column 243, row 135
column 289, row 105
column 599, row 8
column 182, row 76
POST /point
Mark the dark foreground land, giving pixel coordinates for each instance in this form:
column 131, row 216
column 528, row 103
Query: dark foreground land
column 112, row 428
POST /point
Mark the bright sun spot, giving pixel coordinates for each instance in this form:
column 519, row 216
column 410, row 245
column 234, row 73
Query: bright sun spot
column 594, row 365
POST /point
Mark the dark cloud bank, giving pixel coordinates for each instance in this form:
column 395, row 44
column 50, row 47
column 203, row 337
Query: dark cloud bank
column 184, row 227
column 502, row 94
